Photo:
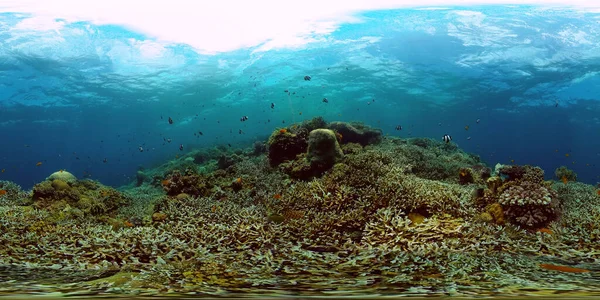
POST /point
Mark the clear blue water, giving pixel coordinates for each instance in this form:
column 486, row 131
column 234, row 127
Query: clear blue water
column 74, row 96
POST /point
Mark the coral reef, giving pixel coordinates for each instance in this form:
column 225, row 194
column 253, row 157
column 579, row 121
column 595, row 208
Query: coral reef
column 530, row 204
column 392, row 216
column 62, row 175
column 286, row 145
column 356, row 133
column 323, row 149
column 565, row 174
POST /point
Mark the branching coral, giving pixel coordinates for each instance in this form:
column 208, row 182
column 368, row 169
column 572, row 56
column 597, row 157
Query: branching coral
column 530, row 204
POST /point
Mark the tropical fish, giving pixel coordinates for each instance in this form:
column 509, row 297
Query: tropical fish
column 39, row 163
column 563, row 268
column 2, row 192
column 447, row 138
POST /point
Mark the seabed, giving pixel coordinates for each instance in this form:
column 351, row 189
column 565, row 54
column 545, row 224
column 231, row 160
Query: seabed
column 369, row 217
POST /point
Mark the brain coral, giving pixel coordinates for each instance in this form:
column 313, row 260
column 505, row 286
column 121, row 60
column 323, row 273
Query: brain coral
column 62, row 175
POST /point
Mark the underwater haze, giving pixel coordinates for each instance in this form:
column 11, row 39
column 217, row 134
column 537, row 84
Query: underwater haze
column 268, row 149
column 77, row 91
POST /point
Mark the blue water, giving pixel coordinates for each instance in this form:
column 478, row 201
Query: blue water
column 73, row 97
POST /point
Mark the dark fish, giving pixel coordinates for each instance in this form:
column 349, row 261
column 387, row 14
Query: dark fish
column 200, row 133
column 244, row 118
column 307, row 78
column 240, row 132
column 325, row 100
column 170, row 120
column 180, row 147
column 447, row 138
column 104, row 161
column 141, row 149
column 272, row 105
column 398, row 127
column 286, row 91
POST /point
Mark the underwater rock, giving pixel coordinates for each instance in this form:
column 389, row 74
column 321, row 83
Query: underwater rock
column 323, row 149
column 62, row 175
column 357, row 133
column 140, row 178
column 285, row 145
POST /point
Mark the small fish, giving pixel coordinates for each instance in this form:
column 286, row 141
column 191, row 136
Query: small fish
column 39, row 163
column 307, row 78
column 170, row 120
column 277, row 196
column 240, row 132
column 398, row 127
column 168, row 140
column 447, row 138
column 563, row 268
column 469, row 138
column 180, row 147
column 466, row 127
column 3, row 170
column 477, row 121
column 272, row 105
column 244, row 118
column 104, row 161
column 200, row 133
column 2, row 192
column 286, row 91
column 141, row 149
column 556, row 103
column 325, row 100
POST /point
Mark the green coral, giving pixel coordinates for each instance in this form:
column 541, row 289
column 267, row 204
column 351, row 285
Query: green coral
column 562, row 173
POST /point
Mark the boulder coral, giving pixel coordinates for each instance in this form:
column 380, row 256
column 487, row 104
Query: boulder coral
column 284, row 145
column 357, row 133
column 62, row 175
column 323, row 149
